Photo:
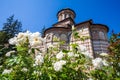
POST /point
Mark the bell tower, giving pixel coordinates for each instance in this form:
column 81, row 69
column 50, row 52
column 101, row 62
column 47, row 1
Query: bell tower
column 65, row 18
column 65, row 13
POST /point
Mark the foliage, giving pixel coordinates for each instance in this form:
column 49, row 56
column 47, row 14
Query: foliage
column 3, row 38
column 9, row 30
column 12, row 27
column 115, row 54
column 30, row 62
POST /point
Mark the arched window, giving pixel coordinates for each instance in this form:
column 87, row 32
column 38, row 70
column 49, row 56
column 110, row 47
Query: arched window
column 63, row 16
column 67, row 15
column 55, row 37
column 49, row 37
column 101, row 35
column 94, row 32
column 63, row 37
column 105, row 36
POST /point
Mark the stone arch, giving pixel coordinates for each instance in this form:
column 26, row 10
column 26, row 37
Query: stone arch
column 56, row 37
column 63, row 37
column 49, row 37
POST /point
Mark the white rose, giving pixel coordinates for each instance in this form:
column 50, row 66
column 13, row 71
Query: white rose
column 39, row 59
column 104, row 54
column 21, row 38
column 82, row 48
column 62, row 62
column 70, row 54
column 97, row 63
column 7, row 71
column 9, row 53
column 87, row 54
column 35, row 39
column 105, row 63
column 13, row 41
column 60, row 55
column 58, row 65
column 24, row 69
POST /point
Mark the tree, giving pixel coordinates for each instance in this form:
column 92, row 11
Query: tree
column 12, row 27
column 114, row 49
column 3, row 37
column 9, row 30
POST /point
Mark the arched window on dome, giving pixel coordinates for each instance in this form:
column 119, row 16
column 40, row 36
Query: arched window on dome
column 101, row 35
column 63, row 16
column 60, row 18
column 67, row 16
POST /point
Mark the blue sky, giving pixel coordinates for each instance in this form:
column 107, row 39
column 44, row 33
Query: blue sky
column 34, row 14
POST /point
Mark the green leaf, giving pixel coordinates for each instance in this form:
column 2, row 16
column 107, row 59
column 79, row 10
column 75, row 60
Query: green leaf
column 65, row 51
column 21, row 48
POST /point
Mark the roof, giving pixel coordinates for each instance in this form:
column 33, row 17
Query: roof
column 69, row 18
column 67, row 9
column 56, row 28
column 88, row 21
column 68, row 28
column 103, row 25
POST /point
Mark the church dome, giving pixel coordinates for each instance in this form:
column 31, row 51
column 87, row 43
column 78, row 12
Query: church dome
column 65, row 13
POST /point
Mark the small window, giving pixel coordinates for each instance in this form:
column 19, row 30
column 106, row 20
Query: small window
column 63, row 37
column 101, row 35
column 56, row 37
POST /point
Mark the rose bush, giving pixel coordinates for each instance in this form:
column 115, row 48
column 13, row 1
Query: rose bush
column 28, row 62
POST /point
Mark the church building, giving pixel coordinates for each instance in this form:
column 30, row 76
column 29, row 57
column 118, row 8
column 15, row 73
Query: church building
column 62, row 30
